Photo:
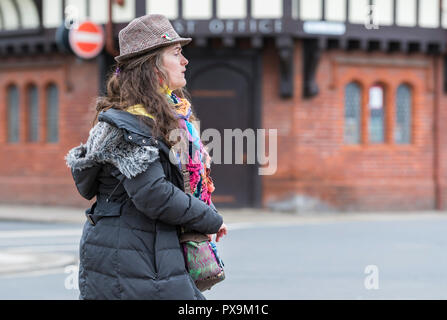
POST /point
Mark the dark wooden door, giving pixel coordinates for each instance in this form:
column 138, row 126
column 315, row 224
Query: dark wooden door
column 223, row 90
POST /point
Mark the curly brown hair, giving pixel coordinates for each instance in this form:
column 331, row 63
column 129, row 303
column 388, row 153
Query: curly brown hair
column 138, row 83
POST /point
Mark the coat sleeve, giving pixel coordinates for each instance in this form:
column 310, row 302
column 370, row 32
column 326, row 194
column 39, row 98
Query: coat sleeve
column 159, row 199
column 86, row 181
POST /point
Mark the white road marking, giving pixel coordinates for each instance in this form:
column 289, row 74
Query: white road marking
column 40, row 233
column 14, row 262
column 13, row 258
column 45, row 248
column 36, row 273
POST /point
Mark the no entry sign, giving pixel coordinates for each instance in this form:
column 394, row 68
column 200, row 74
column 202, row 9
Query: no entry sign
column 87, row 40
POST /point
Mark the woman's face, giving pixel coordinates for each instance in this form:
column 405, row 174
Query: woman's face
column 174, row 63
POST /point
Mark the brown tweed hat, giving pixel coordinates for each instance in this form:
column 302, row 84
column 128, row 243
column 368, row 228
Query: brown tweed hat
column 146, row 33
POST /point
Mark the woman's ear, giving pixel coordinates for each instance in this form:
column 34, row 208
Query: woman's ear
column 160, row 79
column 157, row 73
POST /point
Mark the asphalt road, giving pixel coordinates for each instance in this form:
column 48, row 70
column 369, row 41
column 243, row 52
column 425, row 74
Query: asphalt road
column 383, row 259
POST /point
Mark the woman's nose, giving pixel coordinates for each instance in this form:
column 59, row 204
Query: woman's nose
column 185, row 61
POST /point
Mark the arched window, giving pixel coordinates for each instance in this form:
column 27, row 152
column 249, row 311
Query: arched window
column 13, row 113
column 52, row 95
column 352, row 113
column 402, row 128
column 32, row 115
column 376, row 106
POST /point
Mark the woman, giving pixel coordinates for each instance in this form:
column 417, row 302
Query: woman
column 130, row 247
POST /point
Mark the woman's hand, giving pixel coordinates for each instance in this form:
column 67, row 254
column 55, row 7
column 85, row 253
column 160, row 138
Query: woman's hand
column 222, row 231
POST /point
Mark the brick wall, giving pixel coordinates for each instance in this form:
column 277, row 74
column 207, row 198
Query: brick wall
column 316, row 169
column 35, row 172
column 315, row 163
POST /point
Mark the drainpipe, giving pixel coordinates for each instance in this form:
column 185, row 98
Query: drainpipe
column 436, row 137
column 110, row 44
column 105, row 60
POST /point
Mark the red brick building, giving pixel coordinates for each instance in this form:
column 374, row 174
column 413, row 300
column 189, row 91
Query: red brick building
column 359, row 112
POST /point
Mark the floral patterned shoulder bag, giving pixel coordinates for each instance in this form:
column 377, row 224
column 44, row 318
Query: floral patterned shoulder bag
column 201, row 258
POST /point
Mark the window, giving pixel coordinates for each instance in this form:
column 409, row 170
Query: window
column 384, row 122
column 52, row 95
column 352, row 113
column 13, row 113
column 376, row 108
column 402, row 128
column 32, row 115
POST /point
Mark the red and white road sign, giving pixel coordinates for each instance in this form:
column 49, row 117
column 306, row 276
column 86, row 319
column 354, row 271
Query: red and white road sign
column 87, row 40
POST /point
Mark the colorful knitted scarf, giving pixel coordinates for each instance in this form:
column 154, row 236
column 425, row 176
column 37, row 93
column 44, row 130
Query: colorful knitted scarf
column 199, row 161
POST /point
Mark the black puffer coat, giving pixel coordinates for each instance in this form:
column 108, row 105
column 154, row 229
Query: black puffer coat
column 130, row 249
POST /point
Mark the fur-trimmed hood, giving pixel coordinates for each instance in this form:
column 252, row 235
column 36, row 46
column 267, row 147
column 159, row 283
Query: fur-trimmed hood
column 106, row 144
column 120, row 139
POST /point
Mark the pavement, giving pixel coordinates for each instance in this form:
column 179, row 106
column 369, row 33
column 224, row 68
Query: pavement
column 16, row 262
column 56, row 214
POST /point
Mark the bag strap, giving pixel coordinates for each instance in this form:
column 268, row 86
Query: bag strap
column 186, row 178
column 116, row 187
column 186, row 186
column 192, row 236
column 118, row 175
